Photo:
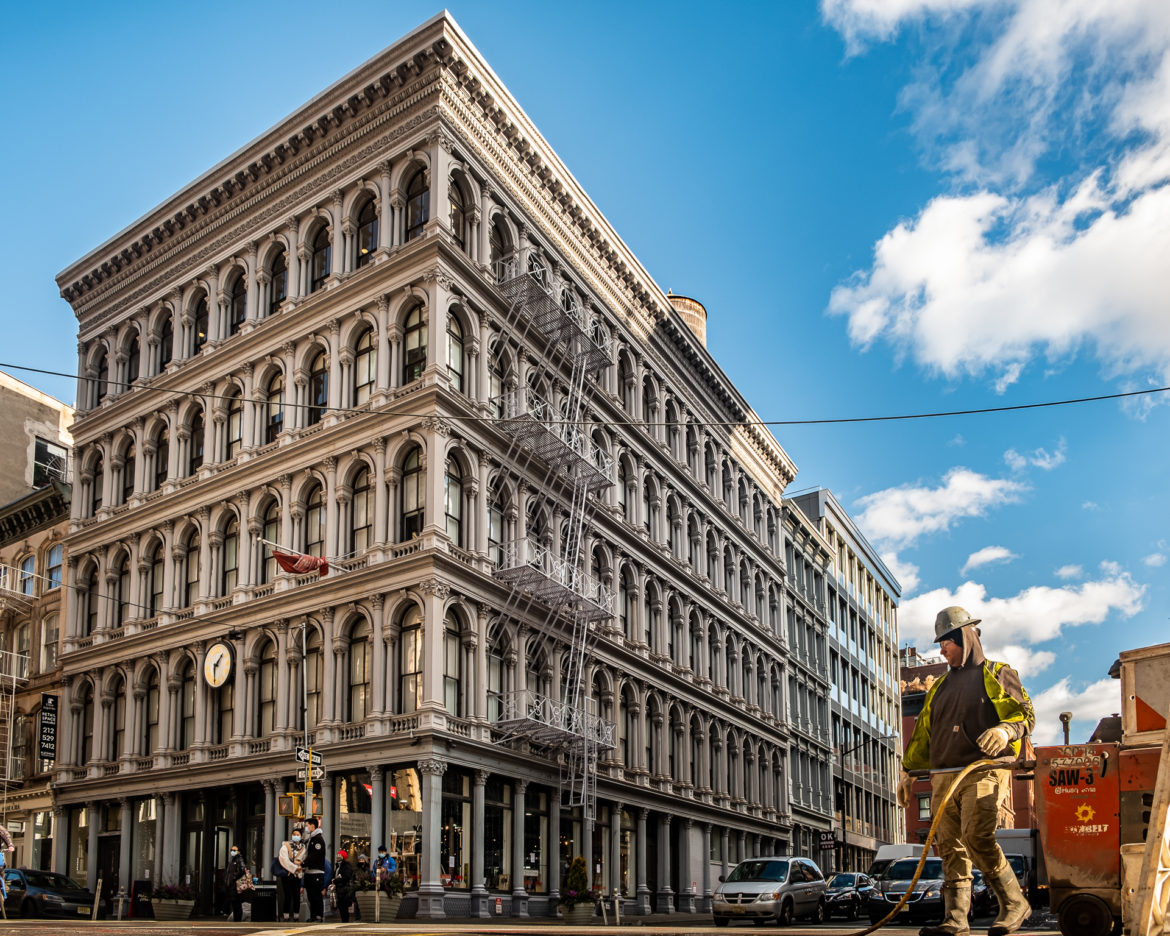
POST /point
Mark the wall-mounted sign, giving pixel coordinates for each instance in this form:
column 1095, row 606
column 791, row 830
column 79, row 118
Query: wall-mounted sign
column 48, row 733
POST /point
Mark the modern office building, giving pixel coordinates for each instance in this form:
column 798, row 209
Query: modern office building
column 860, row 601
column 34, row 519
column 395, row 333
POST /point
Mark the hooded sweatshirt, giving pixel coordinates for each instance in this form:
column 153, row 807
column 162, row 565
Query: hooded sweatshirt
column 959, row 709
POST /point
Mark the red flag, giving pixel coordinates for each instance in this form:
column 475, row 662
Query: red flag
column 299, row 564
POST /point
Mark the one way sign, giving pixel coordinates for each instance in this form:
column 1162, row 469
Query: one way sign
column 305, row 756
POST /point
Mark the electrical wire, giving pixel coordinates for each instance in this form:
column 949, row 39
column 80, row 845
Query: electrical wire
column 726, row 424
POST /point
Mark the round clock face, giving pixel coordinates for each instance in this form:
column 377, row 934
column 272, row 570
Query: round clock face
column 217, row 665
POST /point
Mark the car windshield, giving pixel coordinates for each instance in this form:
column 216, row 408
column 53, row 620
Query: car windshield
column 904, row 870
column 50, row 881
column 843, row 880
column 1017, row 863
column 759, row 870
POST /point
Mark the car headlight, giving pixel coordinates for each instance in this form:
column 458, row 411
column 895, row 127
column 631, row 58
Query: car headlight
column 768, row 895
column 51, row 899
column 932, row 890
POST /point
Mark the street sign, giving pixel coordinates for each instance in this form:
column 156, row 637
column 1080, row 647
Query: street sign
column 303, row 757
column 828, row 840
column 303, row 773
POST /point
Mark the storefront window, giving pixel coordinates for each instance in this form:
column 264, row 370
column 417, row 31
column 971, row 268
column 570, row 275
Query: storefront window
column 406, row 819
column 42, row 846
column 570, row 837
column 455, row 831
column 78, row 843
column 535, row 835
column 143, row 843
column 354, row 806
column 497, row 834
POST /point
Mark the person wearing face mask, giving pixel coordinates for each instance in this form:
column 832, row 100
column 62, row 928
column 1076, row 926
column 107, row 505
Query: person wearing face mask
column 977, row 710
column 236, row 869
column 291, row 857
column 314, row 865
column 384, row 867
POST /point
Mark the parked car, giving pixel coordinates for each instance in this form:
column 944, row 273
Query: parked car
column 983, row 902
column 46, row 893
column 847, row 895
column 925, row 904
column 775, row 889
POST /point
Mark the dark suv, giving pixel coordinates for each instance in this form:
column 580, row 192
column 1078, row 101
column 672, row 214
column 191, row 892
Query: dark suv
column 46, row 893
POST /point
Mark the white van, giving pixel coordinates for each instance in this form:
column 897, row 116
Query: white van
column 888, row 854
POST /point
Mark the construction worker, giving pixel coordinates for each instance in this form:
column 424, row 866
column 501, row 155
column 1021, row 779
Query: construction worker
column 976, row 710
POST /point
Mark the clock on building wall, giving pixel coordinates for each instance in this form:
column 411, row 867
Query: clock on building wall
column 217, row 665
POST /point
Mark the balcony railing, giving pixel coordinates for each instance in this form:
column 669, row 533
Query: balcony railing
column 552, row 722
column 532, row 566
column 559, row 321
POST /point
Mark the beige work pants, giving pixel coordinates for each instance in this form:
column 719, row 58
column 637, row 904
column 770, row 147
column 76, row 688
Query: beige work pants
column 966, row 831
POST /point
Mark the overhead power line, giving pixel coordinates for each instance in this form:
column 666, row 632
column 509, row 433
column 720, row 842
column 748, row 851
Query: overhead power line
column 827, row 421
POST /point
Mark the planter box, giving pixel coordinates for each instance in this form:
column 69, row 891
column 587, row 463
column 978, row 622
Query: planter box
column 579, row 914
column 173, row 909
column 388, row 906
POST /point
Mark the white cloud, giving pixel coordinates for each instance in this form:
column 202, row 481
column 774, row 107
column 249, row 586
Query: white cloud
column 898, row 516
column 1069, row 572
column 1038, row 458
column 1088, row 705
column 1090, row 505
column 986, row 556
column 1012, row 266
column 1031, row 617
column 1155, row 560
column 905, row 572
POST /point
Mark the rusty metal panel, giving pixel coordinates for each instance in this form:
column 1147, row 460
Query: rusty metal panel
column 1145, row 694
column 1077, row 797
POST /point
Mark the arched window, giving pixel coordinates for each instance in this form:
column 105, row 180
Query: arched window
column 166, row 342
column 195, row 448
column 418, row 204
column 274, row 396
column 117, row 733
column 98, row 483
column 410, row 654
column 622, row 484
column 367, row 233
column 223, row 701
column 455, row 352
column 315, row 522
column 133, row 359
column 199, row 325
column 234, row 441
column 148, row 743
column 649, row 752
column 229, row 573
column 53, row 569
column 237, row 304
column 85, row 749
column 103, row 376
column 458, row 216
column 496, row 527
column 50, row 636
column 28, row 581
column 122, row 591
column 413, row 495
column 272, row 534
column 186, row 707
column 452, row 666
column 365, row 367
column 318, row 389
column 362, row 530
column 414, row 346
column 157, row 575
column 266, row 689
column 128, row 473
column 496, row 382
column 499, row 249
column 453, row 501
column 320, row 260
column 191, row 570
column 162, row 458
column 360, row 694
column 90, row 600
column 315, row 677
column 278, row 287
column 21, row 644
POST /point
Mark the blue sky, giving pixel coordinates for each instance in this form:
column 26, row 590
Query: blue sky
column 887, row 207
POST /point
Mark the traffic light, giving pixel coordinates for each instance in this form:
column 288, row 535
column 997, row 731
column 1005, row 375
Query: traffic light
column 289, row 805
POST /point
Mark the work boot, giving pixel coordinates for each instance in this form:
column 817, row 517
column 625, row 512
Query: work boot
column 956, row 905
column 1014, row 908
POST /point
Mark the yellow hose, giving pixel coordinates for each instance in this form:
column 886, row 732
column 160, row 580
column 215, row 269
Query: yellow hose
column 970, row 768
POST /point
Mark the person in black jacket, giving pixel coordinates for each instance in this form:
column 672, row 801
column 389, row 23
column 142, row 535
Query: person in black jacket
column 315, row 851
column 343, row 884
column 236, row 869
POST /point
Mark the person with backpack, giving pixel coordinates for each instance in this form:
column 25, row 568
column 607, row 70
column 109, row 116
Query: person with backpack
column 287, row 867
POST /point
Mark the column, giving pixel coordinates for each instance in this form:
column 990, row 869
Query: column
column 430, row 889
column 378, row 655
column 587, row 847
column 725, row 842
column 615, row 852
column 160, row 832
column 519, row 894
column 60, row 840
column 91, row 863
column 385, row 212
column 643, row 906
column 269, row 826
column 553, row 846
column 124, row 871
column 479, row 894
column 686, row 898
column 377, row 808
column 328, row 799
column 170, row 867
column 665, row 891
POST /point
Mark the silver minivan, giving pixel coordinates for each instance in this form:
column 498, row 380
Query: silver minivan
column 771, row 888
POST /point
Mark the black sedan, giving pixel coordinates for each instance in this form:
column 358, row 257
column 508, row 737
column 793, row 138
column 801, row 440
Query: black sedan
column 45, row 893
column 847, row 895
column 925, row 904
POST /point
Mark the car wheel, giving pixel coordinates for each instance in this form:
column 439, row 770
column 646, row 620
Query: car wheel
column 784, row 917
column 819, row 915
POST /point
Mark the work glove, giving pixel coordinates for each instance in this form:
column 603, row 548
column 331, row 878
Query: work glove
column 905, row 789
column 993, row 741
